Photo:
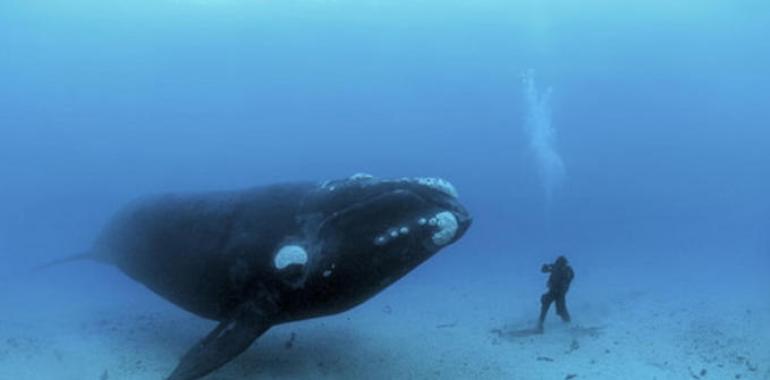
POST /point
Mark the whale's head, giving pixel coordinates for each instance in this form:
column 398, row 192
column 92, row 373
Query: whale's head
column 369, row 232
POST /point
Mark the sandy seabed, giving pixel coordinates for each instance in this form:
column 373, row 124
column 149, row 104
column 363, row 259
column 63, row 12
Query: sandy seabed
column 417, row 329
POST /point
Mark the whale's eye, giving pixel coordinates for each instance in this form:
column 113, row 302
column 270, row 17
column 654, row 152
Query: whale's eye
column 289, row 255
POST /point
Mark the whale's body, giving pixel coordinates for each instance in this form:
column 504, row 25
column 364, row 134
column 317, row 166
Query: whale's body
column 255, row 258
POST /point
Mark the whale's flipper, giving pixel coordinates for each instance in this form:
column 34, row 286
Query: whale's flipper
column 229, row 339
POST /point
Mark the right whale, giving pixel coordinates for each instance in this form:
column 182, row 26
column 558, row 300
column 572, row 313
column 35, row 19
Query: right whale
column 256, row 258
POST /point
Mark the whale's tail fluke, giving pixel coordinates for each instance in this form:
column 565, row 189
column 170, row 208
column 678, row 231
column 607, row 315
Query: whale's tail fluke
column 64, row 260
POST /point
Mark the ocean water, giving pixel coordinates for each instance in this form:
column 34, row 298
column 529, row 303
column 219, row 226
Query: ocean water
column 632, row 137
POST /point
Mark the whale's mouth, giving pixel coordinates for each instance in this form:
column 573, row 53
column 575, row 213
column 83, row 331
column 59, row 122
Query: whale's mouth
column 394, row 214
column 364, row 179
column 441, row 227
column 379, row 230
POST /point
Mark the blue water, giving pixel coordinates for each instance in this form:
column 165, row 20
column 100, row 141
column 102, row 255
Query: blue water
column 652, row 156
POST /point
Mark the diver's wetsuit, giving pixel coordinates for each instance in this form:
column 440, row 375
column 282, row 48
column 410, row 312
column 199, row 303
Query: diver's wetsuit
column 558, row 285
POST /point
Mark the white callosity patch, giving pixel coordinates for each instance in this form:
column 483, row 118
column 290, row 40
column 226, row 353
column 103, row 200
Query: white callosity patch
column 445, row 221
column 362, row 179
column 447, row 224
column 328, row 185
column 361, row 176
column 391, row 234
column 288, row 255
column 438, row 184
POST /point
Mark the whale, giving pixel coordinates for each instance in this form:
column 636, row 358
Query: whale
column 255, row 258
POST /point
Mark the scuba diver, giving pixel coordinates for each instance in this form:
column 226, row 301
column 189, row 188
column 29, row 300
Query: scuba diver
column 558, row 285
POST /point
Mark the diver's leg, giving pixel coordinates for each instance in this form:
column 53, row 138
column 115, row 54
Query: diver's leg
column 545, row 303
column 561, row 307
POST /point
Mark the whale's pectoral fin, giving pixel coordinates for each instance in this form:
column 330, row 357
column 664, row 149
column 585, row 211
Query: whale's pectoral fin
column 229, row 339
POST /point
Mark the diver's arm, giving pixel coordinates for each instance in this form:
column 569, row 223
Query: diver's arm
column 546, row 268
